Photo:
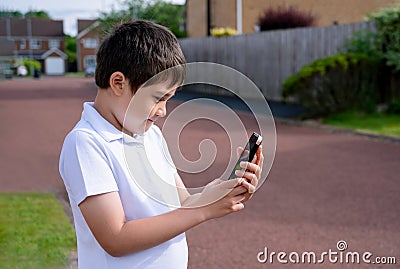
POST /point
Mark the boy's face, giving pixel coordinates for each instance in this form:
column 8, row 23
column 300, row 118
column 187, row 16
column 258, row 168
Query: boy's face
column 146, row 106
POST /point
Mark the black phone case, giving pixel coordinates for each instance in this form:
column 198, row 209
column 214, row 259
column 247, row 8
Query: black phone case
column 251, row 147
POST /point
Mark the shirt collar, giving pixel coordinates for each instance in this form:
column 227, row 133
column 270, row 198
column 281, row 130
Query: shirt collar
column 135, row 139
column 105, row 129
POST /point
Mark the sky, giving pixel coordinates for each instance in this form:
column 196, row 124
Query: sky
column 67, row 10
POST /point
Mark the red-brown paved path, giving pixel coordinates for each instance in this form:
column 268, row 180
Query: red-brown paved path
column 322, row 187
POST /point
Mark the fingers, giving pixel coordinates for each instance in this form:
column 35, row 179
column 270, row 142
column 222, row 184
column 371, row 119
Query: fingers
column 260, row 156
column 249, row 186
column 247, row 196
column 239, row 151
column 231, row 183
column 234, row 192
column 249, row 176
column 237, row 207
column 238, row 202
column 237, row 191
column 252, row 167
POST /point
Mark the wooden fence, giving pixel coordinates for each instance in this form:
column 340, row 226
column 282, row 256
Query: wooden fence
column 268, row 58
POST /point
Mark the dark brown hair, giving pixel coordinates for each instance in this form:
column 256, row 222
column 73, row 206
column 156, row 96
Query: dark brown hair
column 139, row 49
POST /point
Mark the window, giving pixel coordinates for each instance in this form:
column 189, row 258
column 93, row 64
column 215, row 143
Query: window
column 90, row 43
column 54, row 43
column 34, row 43
column 22, row 44
column 90, row 61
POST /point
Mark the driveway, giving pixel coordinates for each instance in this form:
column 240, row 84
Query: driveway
column 322, row 188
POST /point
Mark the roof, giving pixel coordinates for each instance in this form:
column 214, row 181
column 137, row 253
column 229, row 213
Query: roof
column 40, row 27
column 56, row 51
column 88, row 29
column 83, row 24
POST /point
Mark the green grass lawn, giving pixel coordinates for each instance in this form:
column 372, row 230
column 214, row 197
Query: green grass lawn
column 75, row 75
column 386, row 124
column 34, row 232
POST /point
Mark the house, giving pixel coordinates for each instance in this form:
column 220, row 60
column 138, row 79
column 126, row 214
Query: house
column 7, row 48
column 39, row 39
column 87, row 43
column 203, row 15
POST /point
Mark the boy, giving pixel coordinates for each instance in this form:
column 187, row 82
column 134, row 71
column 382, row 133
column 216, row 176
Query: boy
column 117, row 224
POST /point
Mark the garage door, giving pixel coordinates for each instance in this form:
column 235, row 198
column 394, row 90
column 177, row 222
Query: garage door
column 54, row 66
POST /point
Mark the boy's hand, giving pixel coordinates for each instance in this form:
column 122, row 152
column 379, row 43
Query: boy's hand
column 216, row 190
column 220, row 198
column 253, row 173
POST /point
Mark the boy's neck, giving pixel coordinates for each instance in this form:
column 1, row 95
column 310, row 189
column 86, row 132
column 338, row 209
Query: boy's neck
column 102, row 105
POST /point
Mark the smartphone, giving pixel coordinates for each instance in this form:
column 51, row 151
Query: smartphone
column 248, row 152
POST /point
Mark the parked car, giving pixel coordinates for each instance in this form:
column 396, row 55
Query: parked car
column 6, row 73
column 89, row 71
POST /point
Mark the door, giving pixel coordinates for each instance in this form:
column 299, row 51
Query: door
column 54, row 66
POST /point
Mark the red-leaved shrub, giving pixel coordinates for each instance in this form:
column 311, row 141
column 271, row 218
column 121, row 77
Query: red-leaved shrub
column 284, row 18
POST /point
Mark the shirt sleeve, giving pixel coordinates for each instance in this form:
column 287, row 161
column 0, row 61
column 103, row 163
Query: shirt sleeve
column 84, row 167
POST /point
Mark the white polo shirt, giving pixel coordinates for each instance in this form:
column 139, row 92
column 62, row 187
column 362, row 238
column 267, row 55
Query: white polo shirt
column 93, row 162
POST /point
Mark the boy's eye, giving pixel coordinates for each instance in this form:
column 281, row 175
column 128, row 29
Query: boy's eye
column 159, row 99
column 162, row 98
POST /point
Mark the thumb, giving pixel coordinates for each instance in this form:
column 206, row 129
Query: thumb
column 214, row 182
column 231, row 183
column 239, row 151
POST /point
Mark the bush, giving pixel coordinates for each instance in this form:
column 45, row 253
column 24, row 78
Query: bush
column 367, row 73
column 334, row 84
column 387, row 37
column 383, row 42
column 383, row 45
column 362, row 42
column 394, row 106
column 284, row 18
column 36, row 65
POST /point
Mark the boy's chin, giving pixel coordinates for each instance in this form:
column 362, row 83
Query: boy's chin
column 148, row 124
column 144, row 127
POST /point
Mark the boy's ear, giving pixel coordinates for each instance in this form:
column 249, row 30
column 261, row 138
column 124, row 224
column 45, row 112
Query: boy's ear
column 118, row 82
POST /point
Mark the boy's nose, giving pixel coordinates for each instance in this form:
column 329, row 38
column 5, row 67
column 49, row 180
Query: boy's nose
column 161, row 110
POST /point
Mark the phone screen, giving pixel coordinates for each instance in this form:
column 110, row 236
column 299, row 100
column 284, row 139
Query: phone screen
column 248, row 152
column 244, row 157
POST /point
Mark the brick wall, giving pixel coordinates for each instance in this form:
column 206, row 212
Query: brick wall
column 223, row 12
column 196, row 14
column 83, row 52
column 44, row 44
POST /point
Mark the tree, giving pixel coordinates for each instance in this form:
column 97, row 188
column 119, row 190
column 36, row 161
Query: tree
column 158, row 11
column 30, row 14
column 37, row 14
column 11, row 13
column 382, row 44
column 387, row 40
column 167, row 14
column 70, row 50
